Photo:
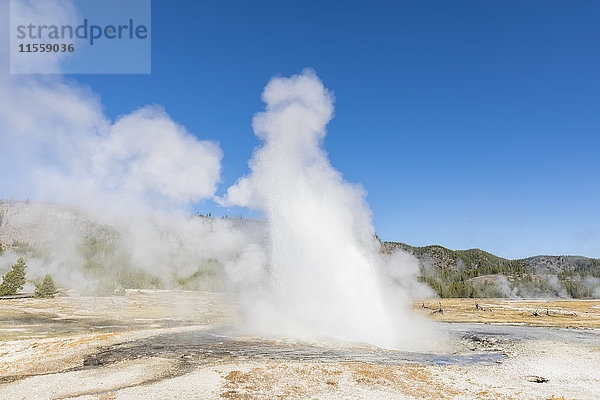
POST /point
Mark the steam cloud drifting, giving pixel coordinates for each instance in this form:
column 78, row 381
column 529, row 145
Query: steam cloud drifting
column 59, row 146
column 326, row 275
column 133, row 179
column 313, row 268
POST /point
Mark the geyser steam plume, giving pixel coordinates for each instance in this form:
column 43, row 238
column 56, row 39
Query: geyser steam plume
column 326, row 276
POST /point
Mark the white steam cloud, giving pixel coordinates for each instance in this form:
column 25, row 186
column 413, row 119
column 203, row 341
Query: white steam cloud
column 59, row 146
column 313, row 269
column 326, row 275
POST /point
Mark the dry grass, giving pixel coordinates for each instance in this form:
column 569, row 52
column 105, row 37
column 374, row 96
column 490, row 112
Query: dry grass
column 561, row 313
column 416, row 381
column 281, row 381
column 349, row 380
column 299, row 381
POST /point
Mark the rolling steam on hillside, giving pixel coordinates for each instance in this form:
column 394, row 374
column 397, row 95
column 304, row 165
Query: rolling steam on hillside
column 477, row 273
column 101, row 254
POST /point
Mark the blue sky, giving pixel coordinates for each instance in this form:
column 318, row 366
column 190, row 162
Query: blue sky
column 469, row 123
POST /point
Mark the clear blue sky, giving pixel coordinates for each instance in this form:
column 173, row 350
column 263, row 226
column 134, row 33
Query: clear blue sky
column 470, row 123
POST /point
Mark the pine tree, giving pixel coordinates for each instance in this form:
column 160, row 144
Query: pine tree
column 46, row 288
column 14, row 279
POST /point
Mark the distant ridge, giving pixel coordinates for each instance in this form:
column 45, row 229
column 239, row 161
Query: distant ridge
column 459, row 273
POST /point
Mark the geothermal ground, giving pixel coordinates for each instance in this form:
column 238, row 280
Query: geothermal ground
column 175, row 344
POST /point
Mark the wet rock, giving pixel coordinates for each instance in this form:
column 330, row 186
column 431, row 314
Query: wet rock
column 535, row 379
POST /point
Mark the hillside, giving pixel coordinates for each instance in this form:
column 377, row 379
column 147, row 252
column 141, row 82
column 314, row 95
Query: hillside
column 477, row 273
column 88, row 251
column 93, row 251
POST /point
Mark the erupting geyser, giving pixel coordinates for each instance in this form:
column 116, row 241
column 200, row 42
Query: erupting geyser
column 323, row 272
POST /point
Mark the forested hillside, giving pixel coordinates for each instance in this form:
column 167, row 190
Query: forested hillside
column 477, row 273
